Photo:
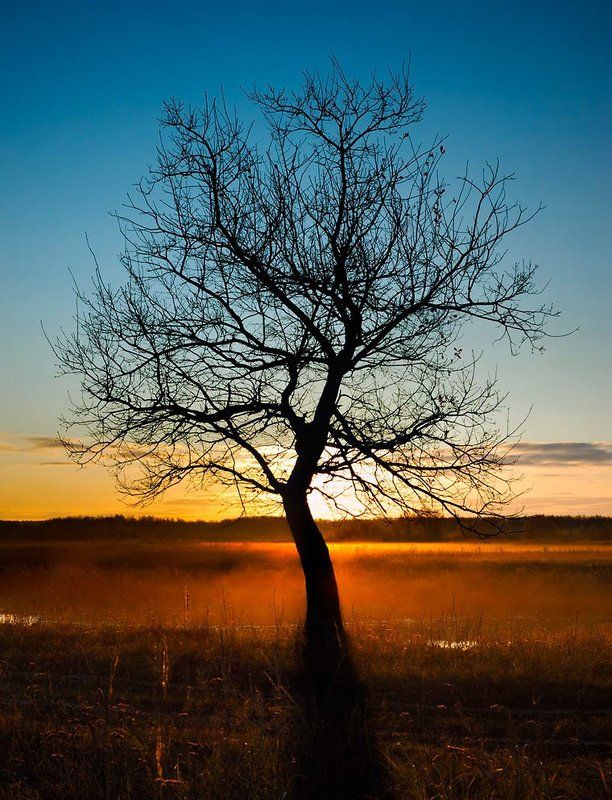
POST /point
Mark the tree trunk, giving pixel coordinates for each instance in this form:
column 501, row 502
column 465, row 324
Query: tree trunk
column 323, row 616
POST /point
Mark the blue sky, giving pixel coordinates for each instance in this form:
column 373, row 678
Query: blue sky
column 82, row 86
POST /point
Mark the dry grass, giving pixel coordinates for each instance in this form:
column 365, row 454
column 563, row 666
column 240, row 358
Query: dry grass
column 454, row 705
column 220, row 712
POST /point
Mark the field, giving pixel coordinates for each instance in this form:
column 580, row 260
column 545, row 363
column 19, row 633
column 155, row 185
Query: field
column 176, row 670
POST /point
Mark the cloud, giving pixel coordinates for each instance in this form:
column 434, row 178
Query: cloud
column 566, row 503
column 563, row 453
column 28, row 444
column 551, row 454
column 42, row 442
column 183, row 502
column 36, row 445
column 10, row 448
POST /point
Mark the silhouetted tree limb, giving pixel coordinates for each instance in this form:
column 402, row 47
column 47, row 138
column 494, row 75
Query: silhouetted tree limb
column 291, row 317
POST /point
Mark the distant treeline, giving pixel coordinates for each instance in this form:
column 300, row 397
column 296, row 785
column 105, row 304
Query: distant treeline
column 538, row 528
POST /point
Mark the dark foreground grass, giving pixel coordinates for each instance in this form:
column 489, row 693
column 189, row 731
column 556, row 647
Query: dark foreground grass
column 439, row 710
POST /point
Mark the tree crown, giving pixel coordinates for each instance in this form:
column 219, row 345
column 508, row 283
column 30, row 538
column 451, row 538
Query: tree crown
column 292, row 315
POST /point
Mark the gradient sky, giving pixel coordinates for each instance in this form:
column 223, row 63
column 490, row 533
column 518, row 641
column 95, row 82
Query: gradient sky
column 82, row 86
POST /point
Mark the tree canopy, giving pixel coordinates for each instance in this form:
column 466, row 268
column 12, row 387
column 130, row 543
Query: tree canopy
column 292, row 312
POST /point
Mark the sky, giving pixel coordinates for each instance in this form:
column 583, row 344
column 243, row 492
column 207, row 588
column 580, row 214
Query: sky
column 82, row 87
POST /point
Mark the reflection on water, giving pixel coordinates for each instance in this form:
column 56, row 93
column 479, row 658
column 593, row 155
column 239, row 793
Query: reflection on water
column 18, row 619
column 446, row 645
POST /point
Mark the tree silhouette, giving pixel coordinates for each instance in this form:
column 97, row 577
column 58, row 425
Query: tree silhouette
column 291, row 317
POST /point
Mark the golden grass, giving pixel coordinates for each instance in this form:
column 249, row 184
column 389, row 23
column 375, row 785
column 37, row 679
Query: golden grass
column 504, row 696
column 220, row 712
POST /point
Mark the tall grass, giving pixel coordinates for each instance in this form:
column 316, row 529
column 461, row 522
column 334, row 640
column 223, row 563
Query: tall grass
column 177, row 672
column 207, row 711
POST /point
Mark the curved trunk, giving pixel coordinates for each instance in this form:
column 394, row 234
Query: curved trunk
column 323, row 616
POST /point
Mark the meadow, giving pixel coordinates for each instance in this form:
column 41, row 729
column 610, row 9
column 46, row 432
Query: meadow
column 175, row 669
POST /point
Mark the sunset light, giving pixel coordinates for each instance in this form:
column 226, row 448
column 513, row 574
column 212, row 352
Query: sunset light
column 305, row 389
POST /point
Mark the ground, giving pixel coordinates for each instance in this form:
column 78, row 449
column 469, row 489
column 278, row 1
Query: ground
column 177, row 671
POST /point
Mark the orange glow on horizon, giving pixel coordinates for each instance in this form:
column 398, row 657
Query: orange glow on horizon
column 37, row 482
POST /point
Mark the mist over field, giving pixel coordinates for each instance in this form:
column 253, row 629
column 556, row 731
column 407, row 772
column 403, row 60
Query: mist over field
column 553, row 587
column 140, row 662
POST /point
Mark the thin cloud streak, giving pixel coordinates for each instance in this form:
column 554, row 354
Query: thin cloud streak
column 563, row 453
column 559, row 478
column 528, row 453
column 12, row 443
column 42, row 442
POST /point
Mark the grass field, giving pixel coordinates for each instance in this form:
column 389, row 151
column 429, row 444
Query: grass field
column 175, row 670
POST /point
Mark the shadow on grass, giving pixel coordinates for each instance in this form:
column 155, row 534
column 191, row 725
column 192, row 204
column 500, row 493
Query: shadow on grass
column 336, row 753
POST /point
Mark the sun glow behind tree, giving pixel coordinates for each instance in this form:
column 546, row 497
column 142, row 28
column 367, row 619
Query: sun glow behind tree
column 291, row 319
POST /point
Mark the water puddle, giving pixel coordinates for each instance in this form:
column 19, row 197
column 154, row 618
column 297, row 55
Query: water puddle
column 445, row 644
column 18, row 619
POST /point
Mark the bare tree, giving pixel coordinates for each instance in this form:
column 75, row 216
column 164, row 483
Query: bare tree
column 291, row 317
